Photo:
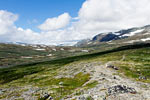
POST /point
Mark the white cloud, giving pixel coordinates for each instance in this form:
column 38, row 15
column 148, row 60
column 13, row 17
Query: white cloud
column 10, row 33
column 6, row 21
column 55, row 23
column 110, row 15
column 95, row 16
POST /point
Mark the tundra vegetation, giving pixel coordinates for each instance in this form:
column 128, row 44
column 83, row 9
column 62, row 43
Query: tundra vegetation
column 133, row 61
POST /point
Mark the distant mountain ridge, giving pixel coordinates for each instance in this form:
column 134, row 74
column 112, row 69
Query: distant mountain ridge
column 140, row 34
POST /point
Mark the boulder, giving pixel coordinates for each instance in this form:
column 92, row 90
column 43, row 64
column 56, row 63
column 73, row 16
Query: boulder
column 50, row 98
column 45, row 96
column 120, row 89
column 142, row 78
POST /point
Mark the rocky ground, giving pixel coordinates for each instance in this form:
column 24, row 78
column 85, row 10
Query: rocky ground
column 113, row 86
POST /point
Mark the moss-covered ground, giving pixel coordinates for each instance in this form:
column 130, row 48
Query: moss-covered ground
column 133, row 61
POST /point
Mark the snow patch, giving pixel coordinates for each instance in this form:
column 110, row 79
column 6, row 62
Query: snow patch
column 84, row 50
column 133, row 33
column 89, row 43
column 54, row 49
column 146, row 39
column 26, row 57
column 40, row 49
column 117, row 33
column 49, row 55
column 62, row 49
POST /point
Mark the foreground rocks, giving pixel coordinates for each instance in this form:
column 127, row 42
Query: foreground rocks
column 46, row 96
column 114, row 90
column 113, row 86
column 2, row 91
column 113, row 67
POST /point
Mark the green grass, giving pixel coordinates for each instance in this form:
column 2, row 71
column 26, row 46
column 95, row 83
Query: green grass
column 89, row 98
column 10, row 50
column 13, row 55
column 135, row 64
column 69, row 84
column 42, row 74
column 91, row 84
column 10, row 74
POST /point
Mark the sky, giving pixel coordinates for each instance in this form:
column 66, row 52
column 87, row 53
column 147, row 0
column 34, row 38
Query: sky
column 55, row 22
column 33, row 12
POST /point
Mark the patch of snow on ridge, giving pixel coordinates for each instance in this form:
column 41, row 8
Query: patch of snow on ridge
column 147, row 33
column 40, row 49
column 133, row 33
column 146, row 39
column 117, row 33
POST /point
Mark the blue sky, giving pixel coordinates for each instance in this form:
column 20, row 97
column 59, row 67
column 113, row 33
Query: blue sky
column 34, row 12
column 63, row 21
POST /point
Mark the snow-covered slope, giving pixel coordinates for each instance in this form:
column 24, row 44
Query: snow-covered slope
column 137, row 34
column 134, row 32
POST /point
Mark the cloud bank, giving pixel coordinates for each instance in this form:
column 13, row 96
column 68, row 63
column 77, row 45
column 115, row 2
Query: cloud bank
column 94, row 16
column 55, row 23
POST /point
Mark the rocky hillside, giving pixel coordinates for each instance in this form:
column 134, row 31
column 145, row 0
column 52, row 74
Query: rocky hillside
column 132, row 35
column 118, row 74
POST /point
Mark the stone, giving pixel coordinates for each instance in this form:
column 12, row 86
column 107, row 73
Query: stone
column 81, row 98
column 113, row 67
column 50, row 98
column 120, row 89
column 114, row 77
column 1, row 91
column 142, row 78
column 45, row 96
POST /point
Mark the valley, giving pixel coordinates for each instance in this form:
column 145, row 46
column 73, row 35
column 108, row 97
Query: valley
column 84, row 77
column 14, row 54
column 74, row 50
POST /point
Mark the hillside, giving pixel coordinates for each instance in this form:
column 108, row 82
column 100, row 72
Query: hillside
column 121, row 37
column 121, row 73
column 14, row 54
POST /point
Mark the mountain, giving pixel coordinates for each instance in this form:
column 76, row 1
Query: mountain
column 14, row 54
column 132, row 35
column 111, row 66
column 82, row 42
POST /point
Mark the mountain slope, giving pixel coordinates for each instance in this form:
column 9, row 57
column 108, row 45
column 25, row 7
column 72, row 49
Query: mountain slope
column 12, row 54
column 132, row 35
column 86, row 76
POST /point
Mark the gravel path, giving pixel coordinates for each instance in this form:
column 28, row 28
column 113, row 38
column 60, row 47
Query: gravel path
column 108, row 79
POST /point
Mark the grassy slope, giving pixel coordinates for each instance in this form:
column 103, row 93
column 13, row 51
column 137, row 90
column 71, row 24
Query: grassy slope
column 135, row 63
column 9, row 74
column 12, row 51
column 12, row 55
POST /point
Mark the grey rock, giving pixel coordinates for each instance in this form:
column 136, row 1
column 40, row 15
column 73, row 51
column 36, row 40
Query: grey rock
column 81, row 98
column 1, row 91
column 120, row 89
column 142, row 78
column 45, row 96
column 113, row 67
column 50, row 98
